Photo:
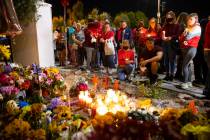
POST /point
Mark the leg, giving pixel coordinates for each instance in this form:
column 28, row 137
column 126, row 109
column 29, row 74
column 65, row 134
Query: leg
column 89, row 57
column 121, row 74
column 206, row 90
column 172, row 58
column 188, row 56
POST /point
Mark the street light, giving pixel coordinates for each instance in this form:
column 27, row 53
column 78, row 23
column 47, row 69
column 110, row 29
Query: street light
column 158, row 12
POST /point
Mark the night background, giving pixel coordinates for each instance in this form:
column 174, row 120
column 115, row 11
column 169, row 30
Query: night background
column 149, row 7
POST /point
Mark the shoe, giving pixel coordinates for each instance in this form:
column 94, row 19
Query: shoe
column 190, row 84
column 166, row 78
column 184, row 86
column 171, row 78
column 198, row 83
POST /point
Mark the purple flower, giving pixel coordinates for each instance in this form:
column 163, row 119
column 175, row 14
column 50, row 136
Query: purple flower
column 9, row 90
column 56, row 102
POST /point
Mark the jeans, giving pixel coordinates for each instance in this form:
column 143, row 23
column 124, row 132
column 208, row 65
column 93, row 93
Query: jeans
column 207, row 84
column 126, row 71
column 169, row 57
column 89, row 52
column 188, row 55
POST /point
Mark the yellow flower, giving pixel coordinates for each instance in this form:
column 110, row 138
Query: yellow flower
column 62, row 113
column 38, row 134
column 14, row 74
column 4, row 52
column 52, row 70
column 18, row 128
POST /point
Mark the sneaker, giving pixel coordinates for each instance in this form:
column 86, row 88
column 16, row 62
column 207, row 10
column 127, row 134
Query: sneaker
column 190, row 84
column 184, row 86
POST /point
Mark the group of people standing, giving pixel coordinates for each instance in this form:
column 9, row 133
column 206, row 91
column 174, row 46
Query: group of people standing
column 170, row 48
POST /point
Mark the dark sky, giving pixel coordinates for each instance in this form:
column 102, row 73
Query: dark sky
column 149, row 7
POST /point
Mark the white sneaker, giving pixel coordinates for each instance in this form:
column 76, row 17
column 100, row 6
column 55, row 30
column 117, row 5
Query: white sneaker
column 184, row 86
column 190, row 84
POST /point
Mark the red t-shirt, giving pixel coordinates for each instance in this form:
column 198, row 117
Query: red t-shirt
column 123, row 55
column 107, row 35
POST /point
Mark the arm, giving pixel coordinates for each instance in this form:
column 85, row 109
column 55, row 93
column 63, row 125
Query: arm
column 75, row 40
column 156, row 58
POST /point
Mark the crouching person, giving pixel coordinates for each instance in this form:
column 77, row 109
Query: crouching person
column 125, row 61
column 149, row 60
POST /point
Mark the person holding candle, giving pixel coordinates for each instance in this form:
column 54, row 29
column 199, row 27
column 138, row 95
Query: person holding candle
column 139, row 37
column 170, row 44
column 154, row 31
column 149, row 60
column 189, row 40
column 125, row 61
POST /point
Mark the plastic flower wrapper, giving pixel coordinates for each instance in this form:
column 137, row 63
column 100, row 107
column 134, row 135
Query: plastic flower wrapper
column 17, row 129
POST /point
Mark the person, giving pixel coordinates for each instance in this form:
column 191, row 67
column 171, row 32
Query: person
column 71, row 48
column 108, row 40
column 206, row 90
column 182, row 21
column 55, row 38
column 139, row 36
column 189, row 40
column 154, row 31
column 170, row 34
column 124, row 33
column 60, row 47
column 91, row 40
column 149, row 59
column 200, row 72
column 125, row 61
column 79, row 39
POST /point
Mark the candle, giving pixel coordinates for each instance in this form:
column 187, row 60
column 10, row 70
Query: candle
column 116, row 84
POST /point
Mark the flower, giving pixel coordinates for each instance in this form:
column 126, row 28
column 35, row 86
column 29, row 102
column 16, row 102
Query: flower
column 11, row 106
column 4, row 52
column 56, row 102
column 49, row 81
column 62, row 113
column 9, row 90
column 15, row 75
column 6, row 79
column 17, row 129
column 38, row 134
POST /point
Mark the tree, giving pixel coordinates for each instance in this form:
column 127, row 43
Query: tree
column 104, row 15
column 132, row 18
column 78, row 10
column 93, row 14
column 26, row 10
column 141, row 16
column 121, row 17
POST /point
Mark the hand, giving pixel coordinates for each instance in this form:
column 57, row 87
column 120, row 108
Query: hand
column 127, row 61
column 185, row 43
column 169, row 38
column 143, row 63
column 102, row 40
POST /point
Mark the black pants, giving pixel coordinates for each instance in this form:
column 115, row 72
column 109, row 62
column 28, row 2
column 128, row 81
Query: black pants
column 200, row 66
column 81, row 55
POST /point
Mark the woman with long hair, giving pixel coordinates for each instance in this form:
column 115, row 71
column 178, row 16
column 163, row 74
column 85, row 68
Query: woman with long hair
column 189, row 39
column 182, row 21
column 170, row 34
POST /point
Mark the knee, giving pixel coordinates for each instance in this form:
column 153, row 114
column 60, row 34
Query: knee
column 121, row 76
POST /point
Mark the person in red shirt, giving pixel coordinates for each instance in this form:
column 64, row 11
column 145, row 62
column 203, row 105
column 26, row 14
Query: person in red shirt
column 149, row 60
column 125, row 61
column 206, row 90
column 107, row 39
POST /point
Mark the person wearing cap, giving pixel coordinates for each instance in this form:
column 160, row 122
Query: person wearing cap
column 125, row 61
column 149, row 60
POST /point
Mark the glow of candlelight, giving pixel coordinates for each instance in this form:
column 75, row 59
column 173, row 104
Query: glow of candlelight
column 102, row 110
